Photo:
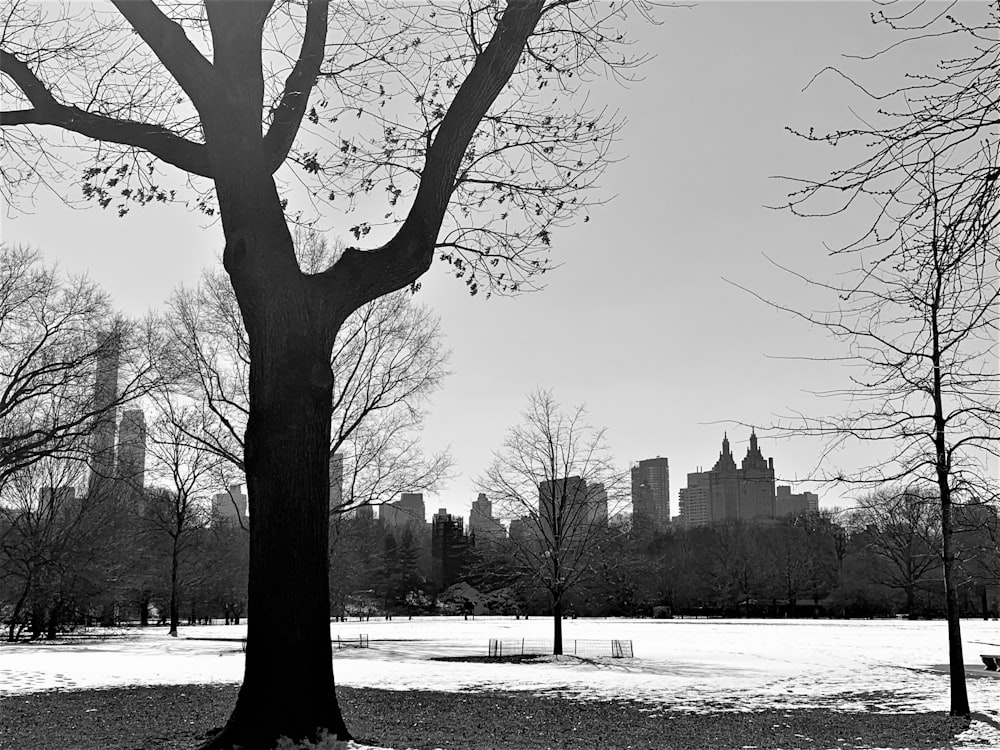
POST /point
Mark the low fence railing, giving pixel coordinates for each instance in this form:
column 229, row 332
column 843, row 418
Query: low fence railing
column 571, row 646
column 360, row 641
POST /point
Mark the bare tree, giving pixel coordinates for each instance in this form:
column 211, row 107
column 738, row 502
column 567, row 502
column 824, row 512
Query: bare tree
column 54, row 544
column 228, row 93
column 554, row 481
column 54, row 334
column 902, row 532
column 920, row 322
column 179, row 510
column 944, row 120
column 928, row 329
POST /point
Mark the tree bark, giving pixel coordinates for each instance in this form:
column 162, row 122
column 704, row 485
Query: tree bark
column 288, row 687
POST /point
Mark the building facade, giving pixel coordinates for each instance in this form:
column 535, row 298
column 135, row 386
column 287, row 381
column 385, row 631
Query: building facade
column 651, row 495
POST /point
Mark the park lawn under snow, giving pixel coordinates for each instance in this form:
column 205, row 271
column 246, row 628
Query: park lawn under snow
column 696, row 665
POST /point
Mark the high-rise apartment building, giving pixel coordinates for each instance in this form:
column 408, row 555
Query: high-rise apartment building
column 651, row 495
column 483, row 527
column 727, row 492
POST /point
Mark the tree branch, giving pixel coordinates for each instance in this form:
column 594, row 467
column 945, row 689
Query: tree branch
column 287, row 115
column 172, row 47
column 409, row 253
column 157, row 140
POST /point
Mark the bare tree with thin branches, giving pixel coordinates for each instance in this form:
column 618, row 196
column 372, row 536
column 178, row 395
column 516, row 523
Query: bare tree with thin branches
column 920, row 323
column 555, row 482
column 54, row 334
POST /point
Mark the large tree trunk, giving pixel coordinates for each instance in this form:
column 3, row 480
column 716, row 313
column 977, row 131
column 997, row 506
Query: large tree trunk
column 288, row 685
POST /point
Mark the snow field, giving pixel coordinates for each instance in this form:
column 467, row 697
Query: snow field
column 696, row 665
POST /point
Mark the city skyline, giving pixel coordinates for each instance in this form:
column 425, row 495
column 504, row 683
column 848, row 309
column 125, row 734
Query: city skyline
column 639, row 321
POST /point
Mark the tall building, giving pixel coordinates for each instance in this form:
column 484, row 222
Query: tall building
column 336, row 481
column 522, row 530
column 756, row 483
column 230, row 507
column 407, row 511
column 727, row 492
column 483, row 527
column 102, row 438
column 448, row 546
column 130, row 463
column 651, row 495
column 787, row 504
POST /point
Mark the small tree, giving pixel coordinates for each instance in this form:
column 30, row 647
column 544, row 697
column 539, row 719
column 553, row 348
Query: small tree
column 554, row 481
column 178, row 511
column 51, row 543
column 920, row 320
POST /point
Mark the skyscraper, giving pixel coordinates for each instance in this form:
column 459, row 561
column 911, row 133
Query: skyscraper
column 131, row 460
column 336, row 481
column 651, row 495
column 483, row 527
column 102, row 439
column 407, row 511
column 756, row 483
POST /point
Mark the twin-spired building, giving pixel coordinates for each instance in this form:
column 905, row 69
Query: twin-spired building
column 729, row 492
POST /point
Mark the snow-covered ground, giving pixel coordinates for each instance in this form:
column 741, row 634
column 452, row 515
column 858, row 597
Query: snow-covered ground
column 697, row 665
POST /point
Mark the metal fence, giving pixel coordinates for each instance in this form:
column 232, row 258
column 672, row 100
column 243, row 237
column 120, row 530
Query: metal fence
column 571, row 646
column 360, row 641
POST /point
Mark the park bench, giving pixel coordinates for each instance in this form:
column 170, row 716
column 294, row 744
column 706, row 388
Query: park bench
column 992, row 661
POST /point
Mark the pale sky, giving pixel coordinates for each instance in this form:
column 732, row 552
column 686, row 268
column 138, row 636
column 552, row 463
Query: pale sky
column 638, row 322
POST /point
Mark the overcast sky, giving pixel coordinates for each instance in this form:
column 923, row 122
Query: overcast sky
column 638, row 322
